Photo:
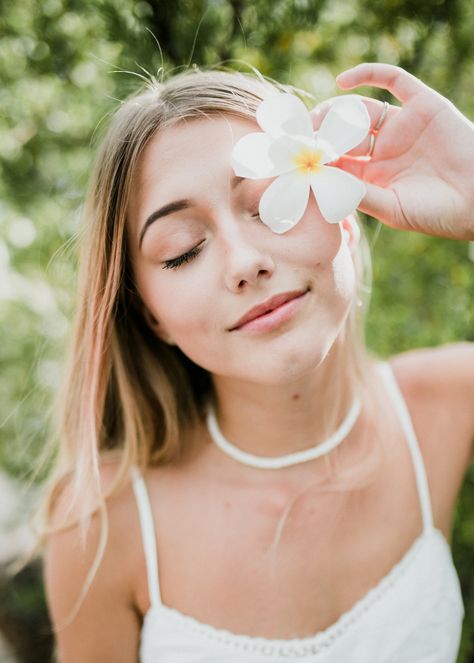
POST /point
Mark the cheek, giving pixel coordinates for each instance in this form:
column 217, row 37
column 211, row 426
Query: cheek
column 319, row 241
column 343, row 273
column 322, row 249
column 183, row 307
column 323, row 254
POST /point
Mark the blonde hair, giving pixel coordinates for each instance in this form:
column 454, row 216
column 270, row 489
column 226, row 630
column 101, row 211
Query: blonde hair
column 126, row 394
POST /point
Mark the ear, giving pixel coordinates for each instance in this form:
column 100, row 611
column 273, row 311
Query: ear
column 156, row 327
column 350, row 231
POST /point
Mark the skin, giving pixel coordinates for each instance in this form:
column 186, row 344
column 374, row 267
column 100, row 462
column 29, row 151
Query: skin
column 422, row 171
column 336, row 538
column 242, row 264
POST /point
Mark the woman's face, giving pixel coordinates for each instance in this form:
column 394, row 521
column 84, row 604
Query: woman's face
column 206, row 260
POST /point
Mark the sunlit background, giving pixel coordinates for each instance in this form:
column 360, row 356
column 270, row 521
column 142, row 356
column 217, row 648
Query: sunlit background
column 64, row 67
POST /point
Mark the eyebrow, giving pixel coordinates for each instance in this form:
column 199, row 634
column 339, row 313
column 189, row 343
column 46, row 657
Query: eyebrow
column 175, row 206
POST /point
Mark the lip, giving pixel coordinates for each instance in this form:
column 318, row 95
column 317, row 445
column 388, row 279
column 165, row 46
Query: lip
column 271, row 311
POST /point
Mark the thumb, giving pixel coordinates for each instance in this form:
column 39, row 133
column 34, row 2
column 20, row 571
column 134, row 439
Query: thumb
column 383, row 205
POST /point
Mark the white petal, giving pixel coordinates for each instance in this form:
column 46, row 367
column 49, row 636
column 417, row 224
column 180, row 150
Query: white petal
column 284, row 114
column 328, row 152
column 337, row 193
column 284, row 202
column 346, row 124
column 258, row 155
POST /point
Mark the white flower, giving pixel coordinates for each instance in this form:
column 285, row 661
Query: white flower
column 297, row 156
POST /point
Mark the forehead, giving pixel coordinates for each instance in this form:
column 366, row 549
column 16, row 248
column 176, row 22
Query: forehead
column 190, row 151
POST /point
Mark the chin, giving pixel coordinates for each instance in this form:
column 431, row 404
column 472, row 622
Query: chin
column 285, row 364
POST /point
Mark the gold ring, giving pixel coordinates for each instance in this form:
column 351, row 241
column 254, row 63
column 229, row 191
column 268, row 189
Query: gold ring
column 376, row 129
column 383, row 116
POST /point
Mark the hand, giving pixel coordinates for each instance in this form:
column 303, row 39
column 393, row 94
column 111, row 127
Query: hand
column 421, row 173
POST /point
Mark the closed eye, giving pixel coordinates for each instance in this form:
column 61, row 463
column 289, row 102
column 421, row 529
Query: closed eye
column 173, row 263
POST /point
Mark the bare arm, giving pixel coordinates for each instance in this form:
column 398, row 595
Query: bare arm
column 107, row 625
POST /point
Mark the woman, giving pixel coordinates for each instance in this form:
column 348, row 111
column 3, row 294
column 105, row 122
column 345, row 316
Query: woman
column 291, row 496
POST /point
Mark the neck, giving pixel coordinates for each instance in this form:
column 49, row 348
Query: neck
column 285, row 418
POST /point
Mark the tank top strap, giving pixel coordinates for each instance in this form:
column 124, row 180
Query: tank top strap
column 148, row 534
column 407, row 426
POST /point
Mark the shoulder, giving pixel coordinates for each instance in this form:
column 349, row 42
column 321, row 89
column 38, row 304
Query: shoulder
column 446, row 372
column 439, row 382
column 88, row 575
column 441, row 377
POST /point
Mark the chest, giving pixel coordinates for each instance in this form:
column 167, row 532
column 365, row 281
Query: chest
column 284, row 561
column 267, row 562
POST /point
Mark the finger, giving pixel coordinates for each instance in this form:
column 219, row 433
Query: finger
column 383, row 205
column 375, row 109
column 397, row 81
column 319, row 112
column 356, row 167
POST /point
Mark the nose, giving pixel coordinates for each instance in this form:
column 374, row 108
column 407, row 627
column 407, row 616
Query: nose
column 246, row 263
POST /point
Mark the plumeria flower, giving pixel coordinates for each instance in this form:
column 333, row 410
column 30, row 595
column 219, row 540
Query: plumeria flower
column 298, row 157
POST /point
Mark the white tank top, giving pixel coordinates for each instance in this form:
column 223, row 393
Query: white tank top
column 412, row 615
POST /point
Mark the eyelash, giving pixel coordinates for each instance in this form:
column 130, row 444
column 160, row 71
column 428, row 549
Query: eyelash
column 174, row 263
column 182, row 259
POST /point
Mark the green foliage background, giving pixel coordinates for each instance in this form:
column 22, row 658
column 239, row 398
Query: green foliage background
column 63, row 68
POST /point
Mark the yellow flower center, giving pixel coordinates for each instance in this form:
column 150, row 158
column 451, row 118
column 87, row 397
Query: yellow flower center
column 308, row 161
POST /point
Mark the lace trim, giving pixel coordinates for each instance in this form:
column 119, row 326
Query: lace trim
column 314, row 644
